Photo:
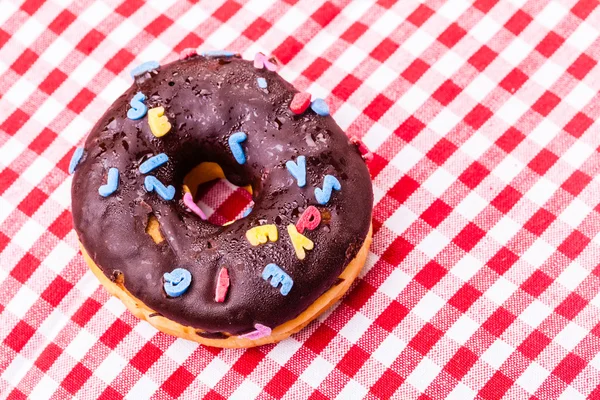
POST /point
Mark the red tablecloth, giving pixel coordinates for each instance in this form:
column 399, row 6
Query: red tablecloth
column 483, row 279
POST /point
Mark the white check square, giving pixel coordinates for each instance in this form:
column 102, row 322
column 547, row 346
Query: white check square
column 466, row 267
column 19, row 92
column 580, row 96
column 535, row 313
column 400, row 220
column 516, row 51
column 583, row 36
column 541, row 191
column 389, row 350
column 433, row 243
column 471, row 206
column 22, row 301
column 497, row 353
column 412, row 99
column 428, row 306
column 29, row 31
column 406, row 158
column 501, row 291
column 443, row 122
column 573, row 276
column 575, row 213
column 81, row 344
column 111, row 367
column 395, row 283
column 213, row 372
column 350, row 58
column 417, row 42
column 143, row 389
column 462, row 329
column 356, row 327
column 551, row 15
column 504, row 230
column 485, row 29
column 480, row 87
column 316, row 372
column 533, row 377
column 538, row 252
column 439, row 182
column 570, row 336
column 424, row 374
column 381, row 78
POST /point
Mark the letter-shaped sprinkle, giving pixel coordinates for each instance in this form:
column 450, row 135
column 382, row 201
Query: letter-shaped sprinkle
column 310, row 219
column 260, row 331
column 177, row 282
column 235, row 145
column 277, row 276
column 298, row 170
column 222, row 285
column 138, row 108
column 188, row 200
column 152, row 184
column 158, row 121
column 329, row 183
column 320, row 107
column 300, row 102
column 262, row 83
column 187, row 53
column 77, row 155
column 218, row 53
column 299, row 241
column 112, row 183
column 143, row 68
column 261, row 61
column 153, row 163
column 262, row 234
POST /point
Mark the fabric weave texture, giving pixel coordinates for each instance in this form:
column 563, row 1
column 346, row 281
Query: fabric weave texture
column 484, row 275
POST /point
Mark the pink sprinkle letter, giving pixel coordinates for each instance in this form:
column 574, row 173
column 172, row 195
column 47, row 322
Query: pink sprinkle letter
column 260, row 332
column 188, row 200
column 187, row 53
column 260, row 61
column 222, row 285
column 310, row 219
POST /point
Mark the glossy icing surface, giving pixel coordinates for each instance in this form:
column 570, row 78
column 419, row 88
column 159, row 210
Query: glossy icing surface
column 206, row 100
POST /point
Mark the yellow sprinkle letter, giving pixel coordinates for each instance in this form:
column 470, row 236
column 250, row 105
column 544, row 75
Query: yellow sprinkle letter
column 262, row 234
column 158, row 121
column 299, row 241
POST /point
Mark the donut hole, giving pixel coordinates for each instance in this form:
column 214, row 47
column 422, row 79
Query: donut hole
column 221, row 201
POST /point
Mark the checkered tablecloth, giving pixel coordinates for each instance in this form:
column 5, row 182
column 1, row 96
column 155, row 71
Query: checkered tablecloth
column 483, row 280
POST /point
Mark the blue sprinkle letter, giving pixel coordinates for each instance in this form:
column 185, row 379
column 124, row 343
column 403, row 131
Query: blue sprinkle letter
column 143, row 68
column 75, row 159
column 112, row 183
column 218, row 53
column 323, row 195
column 298, row 170
column 153, row 184
column 138, row 108
column 153, row 162
column 320, row 107
column 177, row 282
column 235, row 141
column 278, row 276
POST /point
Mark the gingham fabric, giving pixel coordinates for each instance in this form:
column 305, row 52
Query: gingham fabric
column 483, row 279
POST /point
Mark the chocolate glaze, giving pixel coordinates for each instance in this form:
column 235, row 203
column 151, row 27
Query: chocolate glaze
column 206, row 100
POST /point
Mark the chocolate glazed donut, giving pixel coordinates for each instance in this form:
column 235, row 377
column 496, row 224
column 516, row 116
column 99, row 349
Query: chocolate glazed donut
column 206, row 100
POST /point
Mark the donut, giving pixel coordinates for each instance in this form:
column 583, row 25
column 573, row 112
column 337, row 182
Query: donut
column 252, row 281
